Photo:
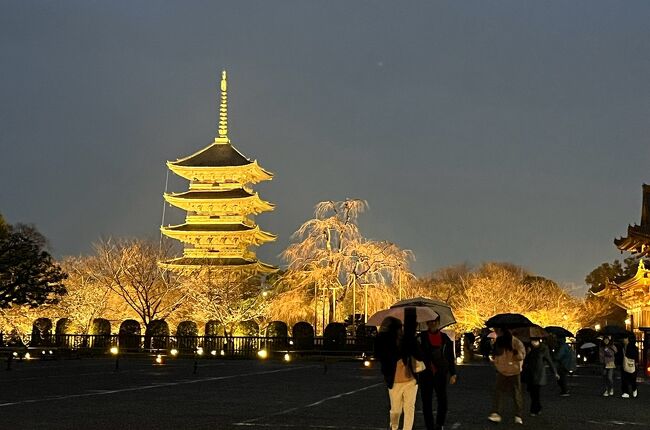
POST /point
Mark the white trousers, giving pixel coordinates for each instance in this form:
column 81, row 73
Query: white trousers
column 402, row 397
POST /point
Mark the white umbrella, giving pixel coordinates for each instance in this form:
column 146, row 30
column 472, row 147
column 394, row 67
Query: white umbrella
column 588, row 345
column 422, row 314
column 441, row 308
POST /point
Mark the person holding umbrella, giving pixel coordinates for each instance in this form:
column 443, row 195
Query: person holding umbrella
column 534, row 372
column 607, row 354
column 564, row 362
column 396, row 349
column 509, row 354
column 630, row 360
column 438, row 353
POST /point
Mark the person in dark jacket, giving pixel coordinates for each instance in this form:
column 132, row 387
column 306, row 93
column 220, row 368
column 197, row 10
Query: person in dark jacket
column 534, row 373
column 562, row 356
column 629, row 366
column 396, row 349
column 438, row 352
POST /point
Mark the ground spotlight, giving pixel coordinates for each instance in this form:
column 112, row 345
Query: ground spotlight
column 173, row 352
column 114, row 350
column 222, row 352
column 213, row 353
column 366, row 363
column 27, row 356
column 287, row 357
column 199, row 350
column 262, row 353
column 159, row 359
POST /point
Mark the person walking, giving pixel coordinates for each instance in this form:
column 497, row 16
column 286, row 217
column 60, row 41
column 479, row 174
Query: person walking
column 509, row 354
column 534, row 373
column 438, row 357
column 396, row 352
column 628, row 369
column 564, row 364
column 607, row 354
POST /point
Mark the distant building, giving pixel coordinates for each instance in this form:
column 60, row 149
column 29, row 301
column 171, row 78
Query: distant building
column 633, row 294
column 219, row 229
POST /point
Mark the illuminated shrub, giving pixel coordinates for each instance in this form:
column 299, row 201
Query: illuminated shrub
column 214, row 332
column 186, row 335
column 157, row 334
column 303, row 335
column 63, row 328
column 129, row 337
column 278, row 332
column 334, row 337
column 41, row 332
column 101, row 331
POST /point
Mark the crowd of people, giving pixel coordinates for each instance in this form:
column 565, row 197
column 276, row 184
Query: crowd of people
column 426, row 360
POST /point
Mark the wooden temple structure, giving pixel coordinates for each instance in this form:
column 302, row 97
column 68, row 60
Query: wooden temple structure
column 219, row 230
column 633, row 294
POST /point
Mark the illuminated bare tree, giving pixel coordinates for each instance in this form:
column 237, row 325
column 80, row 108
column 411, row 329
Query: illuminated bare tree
column 331, row 259
column 228, row 296
column 87, row 297
column 130, row 269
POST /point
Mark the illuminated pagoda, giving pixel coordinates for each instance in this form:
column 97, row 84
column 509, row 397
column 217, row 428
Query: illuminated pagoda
column 219, row 230
column 633, row 294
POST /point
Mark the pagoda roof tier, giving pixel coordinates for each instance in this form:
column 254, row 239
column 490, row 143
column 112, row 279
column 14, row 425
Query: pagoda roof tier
column 631, row 293
column 216, row 235
column 637, row 240
column 236, row 264
column 231, row 202
column 215, row 155
column 638, row 236
column 240, row 174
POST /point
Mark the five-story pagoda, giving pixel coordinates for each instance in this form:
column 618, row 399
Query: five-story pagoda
column 219, row 231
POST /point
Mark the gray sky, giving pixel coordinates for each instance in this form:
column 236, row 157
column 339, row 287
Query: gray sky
column 504, row 130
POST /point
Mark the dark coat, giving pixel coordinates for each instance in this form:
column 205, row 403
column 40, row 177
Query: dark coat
column 388, row 353
column 442, row 358
column 631, row 351
column 534, row 371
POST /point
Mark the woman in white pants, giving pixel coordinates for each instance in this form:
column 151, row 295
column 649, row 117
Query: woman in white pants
column 396, row 349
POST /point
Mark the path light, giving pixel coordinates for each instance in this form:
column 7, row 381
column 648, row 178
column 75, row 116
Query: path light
column 287, row 357
column 366, row 363
column 159, row 359
column 291, row 342
column 114, row 350
column 27, row 356
column 173, row 352
column 199, row 350
column 597, row 327
column 15, row 354
column 213, row 352
column 262, row 353
column 51, row 352
column 222, row 352
column 584, row 359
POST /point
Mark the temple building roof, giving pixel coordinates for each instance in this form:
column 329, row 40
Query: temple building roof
column 219, row 263
column 236, row 193
column 210, row 227
column 637, row 240
column 214, row 155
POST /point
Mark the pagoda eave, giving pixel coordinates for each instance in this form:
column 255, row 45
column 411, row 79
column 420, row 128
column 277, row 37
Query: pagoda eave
column 235, row 206
column 249, row 173
column 228, row 264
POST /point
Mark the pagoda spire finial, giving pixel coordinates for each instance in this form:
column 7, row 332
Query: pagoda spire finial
column 223, row 112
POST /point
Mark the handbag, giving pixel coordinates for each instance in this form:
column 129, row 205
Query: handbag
column 417, row 366
column 628, row 365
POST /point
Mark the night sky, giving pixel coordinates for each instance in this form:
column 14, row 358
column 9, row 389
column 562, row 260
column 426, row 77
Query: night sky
column 477, row 131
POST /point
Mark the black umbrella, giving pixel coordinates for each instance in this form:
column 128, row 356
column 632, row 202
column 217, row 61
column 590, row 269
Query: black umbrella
column 614, row 330
column 525, row 334
column 558, row 331
column 586, row 334
column 508, row 321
